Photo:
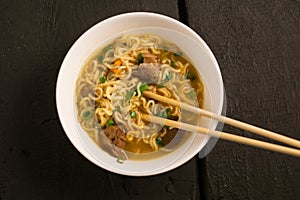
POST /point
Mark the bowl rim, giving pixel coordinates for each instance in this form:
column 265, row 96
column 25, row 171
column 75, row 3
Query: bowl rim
column 76, row 144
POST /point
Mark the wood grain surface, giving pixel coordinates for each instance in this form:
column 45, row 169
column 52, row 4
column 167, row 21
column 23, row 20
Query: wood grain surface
column 257, row 47
column 37, row 160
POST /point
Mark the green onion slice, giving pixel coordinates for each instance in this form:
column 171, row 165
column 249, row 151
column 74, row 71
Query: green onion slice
column 109, row 123
column 162, row 114
column 120, row 159
column 168, row 77
column 159, row 141
column 129, row 95
column 100, row 58
column 143, row 87
column 161, row 85
column 140, row 58
column 189, row 76
column 133, row 114
column 165, row 48
column 172, row 63
column 192, row 94
column 87, row 115
column 118, row 108
column 179, row 53
column 169, row 112
column 108, row 47
column 102, row 79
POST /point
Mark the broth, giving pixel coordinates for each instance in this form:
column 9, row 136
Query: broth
column 109, row 93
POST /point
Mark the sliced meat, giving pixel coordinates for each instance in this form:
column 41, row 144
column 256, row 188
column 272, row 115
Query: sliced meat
column 107, row 145
column 149, row 58
column 147, row 72
column 116, row 136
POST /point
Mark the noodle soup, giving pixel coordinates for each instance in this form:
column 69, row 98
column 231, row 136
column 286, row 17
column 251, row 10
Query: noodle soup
column 110, row 101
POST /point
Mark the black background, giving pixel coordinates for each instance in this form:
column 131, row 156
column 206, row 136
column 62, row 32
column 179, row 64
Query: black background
column 257, row 45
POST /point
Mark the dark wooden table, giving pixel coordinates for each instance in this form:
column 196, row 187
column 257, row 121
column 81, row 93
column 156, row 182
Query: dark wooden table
column 257, row 45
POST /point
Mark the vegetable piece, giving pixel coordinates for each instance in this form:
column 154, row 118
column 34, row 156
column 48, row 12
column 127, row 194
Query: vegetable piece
column 168, row 77
column 189, row 76
column 133, row 114
column 108, row 47
column 192, row 94
column 161, row 85
column 162, row 114
column 109, row 123
column 87, row 115
column 165, row 48
column 143, row 87
column 120, row 159
column 115, row 71
column 128, row 95
column 179, row 53
column 118, row 108
column 140, row 58
column 102, row 79
column 100, row 58
column 172, row 63
column 169, row 112
column 117, row 63
column 159, row 141
column 167, row 127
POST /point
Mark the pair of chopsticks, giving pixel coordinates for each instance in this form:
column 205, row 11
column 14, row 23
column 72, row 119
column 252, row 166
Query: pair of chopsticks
column 223, row 135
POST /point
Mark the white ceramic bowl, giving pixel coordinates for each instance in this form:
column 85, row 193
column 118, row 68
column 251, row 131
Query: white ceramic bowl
column 166, row 27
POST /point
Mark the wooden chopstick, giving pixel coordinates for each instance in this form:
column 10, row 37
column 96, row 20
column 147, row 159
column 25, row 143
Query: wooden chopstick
column 223, row 135
column 226, row 120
